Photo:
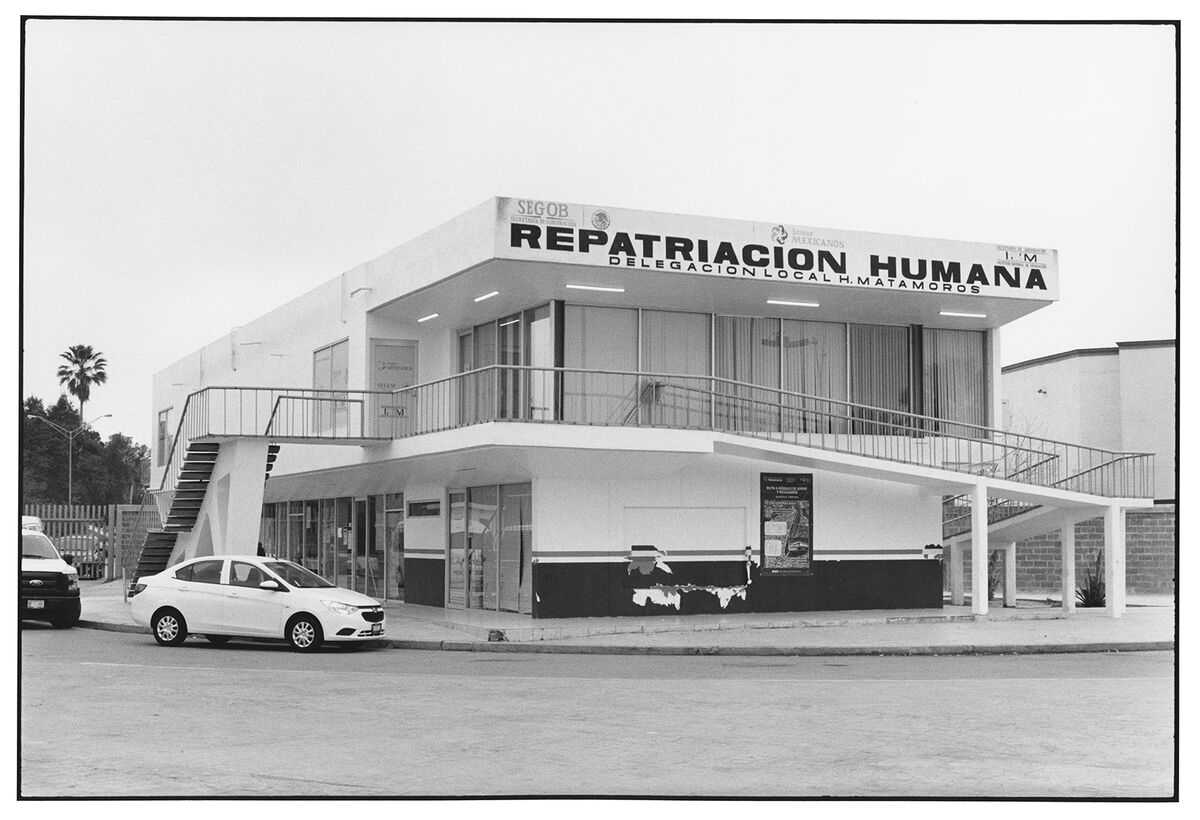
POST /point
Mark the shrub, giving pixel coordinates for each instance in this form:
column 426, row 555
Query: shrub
column 1092, row 591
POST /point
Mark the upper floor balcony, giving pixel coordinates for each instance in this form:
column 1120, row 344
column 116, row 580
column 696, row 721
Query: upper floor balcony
column 623, row 399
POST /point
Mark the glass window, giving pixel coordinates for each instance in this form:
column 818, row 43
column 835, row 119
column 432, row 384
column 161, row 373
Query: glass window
column 675, row 345
column 331, row 372
column 539, row 385
column 164, row 436
column 509, row 349
column 747, row 351
column 394, row 538
column 242, row 574
column 879, row 376
column 516, row 548
column 456, row 593
column 599, row 338
column 296, row 575
column 954, row 378
column 202, row 572
column 814, row 363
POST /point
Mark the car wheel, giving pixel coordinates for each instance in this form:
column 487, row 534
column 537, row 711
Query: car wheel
column 64, row 621
column 169, row 627
column 217, row 640
column 304, row 633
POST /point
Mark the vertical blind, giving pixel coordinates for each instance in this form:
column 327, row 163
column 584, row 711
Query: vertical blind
column 747, row 350
column 814, row 363
column 879, row 376
column 675, row 344
column 954, row 379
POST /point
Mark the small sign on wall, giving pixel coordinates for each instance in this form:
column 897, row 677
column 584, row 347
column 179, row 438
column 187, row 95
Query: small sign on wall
column 785, row 516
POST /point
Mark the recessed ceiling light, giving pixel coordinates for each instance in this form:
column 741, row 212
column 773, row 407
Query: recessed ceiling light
column 792, row 304
column 963, row 315
column 430, row 316
column 596, row 287
column 487, row 296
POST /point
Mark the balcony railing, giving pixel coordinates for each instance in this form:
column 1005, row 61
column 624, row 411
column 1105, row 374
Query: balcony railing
column 611, row 398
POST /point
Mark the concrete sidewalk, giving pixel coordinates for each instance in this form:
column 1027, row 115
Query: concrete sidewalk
column 1034, row 626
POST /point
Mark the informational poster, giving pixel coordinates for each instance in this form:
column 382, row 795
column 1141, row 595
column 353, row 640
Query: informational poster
column 786, row 503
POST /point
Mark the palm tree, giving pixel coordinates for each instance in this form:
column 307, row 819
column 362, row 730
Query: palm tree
column 83, row 369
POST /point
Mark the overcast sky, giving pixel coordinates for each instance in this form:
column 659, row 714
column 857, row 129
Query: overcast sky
column 183, row 178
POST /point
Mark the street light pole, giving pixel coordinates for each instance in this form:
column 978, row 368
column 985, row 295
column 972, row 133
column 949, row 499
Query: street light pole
column 70, row 434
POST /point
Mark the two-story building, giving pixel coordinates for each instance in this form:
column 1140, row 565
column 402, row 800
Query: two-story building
column 560, row 409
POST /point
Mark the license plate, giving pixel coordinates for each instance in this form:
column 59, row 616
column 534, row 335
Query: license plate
column 42, row 605
column 376, row 629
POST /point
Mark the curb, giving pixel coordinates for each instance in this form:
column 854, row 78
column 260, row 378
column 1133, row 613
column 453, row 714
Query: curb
column 761, row 651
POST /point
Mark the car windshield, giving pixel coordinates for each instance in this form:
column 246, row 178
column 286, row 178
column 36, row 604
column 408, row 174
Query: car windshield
column 296, row 575
column 36, row 545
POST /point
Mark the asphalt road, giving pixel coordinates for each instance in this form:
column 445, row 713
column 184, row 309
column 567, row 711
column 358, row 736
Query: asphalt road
column 110, row 714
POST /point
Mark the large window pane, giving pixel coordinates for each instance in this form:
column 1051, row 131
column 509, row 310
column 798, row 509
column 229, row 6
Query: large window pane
column 678, row 345
column 879, row 376
column 509, row 349
column 539, row 353
column 747, row 351
column 456, row 595
column 394, row 537
column 814, row 363
column 600, row 338
column 516, row 535
column 483, row 570
column 954, row 378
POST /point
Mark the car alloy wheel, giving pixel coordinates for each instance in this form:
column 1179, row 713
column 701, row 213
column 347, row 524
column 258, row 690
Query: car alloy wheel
column 169, row 628
column 304, row 634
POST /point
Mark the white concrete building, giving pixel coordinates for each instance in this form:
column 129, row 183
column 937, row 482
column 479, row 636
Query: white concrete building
column 559, row 409
column 1120, row 398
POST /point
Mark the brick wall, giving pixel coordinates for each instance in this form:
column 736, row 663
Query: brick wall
column 1149, row 554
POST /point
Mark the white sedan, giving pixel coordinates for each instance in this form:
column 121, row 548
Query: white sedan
column 236, row 596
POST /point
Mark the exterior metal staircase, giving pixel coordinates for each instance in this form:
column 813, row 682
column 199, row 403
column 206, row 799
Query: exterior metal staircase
column 191, row 485
column 272, row 453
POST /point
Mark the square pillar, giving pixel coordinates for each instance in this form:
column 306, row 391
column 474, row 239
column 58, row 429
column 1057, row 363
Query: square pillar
column 979, row 550
column 1067, row 536
column 1114, row 561
column 955, row 568
column 1010, row 574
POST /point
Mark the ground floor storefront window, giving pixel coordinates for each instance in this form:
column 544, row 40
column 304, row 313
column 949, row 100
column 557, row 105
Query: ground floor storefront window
column 357, row 543
column 491, row 548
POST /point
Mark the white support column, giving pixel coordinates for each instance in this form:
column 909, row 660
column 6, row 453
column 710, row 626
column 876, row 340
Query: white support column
column 230, row 516
column 1067, row 535
column 979, row 550
column 1114, row 561
column 1010, row 574
column 956, row 573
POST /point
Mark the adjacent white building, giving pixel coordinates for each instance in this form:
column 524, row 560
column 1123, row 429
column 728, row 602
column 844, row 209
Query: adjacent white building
column 561, row 409
column 1120, row 398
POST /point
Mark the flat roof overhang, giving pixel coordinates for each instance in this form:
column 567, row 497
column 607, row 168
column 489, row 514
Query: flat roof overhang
column 525, row 284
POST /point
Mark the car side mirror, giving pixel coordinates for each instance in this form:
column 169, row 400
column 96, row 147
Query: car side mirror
column 272, row 585
column 70, row 559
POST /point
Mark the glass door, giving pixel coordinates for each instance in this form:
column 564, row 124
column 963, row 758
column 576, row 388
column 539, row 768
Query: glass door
column 343, row 510
column 483, row 568
column 367, row 555
column 491, row 542
column 516, row 547
column 456, row 567
column 539, row 352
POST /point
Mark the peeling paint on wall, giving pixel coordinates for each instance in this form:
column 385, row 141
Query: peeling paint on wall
column 672, row 595
column 645, row 559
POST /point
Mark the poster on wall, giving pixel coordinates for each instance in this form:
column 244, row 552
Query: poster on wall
column 393, row 366
column 786, row 503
